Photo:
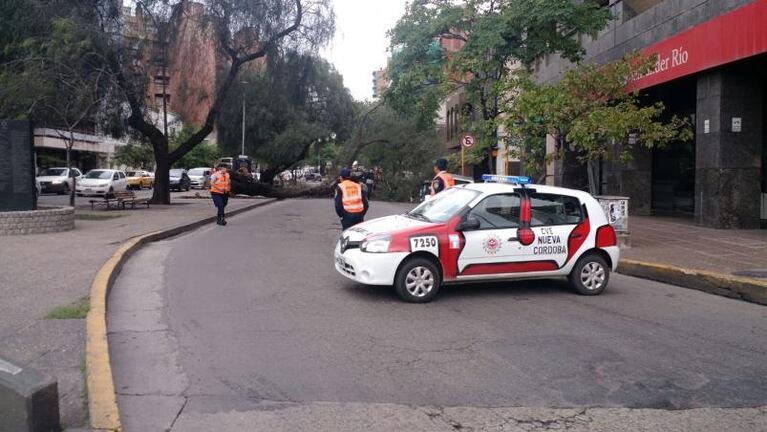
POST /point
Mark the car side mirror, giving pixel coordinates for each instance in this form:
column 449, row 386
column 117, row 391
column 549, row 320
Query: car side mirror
column 468, row 224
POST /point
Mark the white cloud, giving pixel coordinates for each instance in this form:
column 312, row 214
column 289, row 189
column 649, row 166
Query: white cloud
column 360, row 44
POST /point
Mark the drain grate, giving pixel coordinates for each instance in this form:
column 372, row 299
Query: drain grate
column 761, row 274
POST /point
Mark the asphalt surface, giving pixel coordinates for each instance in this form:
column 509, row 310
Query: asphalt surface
column 249, row 325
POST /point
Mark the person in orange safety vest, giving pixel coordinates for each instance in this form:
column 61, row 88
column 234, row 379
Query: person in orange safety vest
column 220, row 186
column 351, row 202
column 442, row 179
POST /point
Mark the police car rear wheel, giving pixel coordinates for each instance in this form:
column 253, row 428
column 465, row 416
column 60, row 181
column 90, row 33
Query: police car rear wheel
column 590, row 275
column 417, row 281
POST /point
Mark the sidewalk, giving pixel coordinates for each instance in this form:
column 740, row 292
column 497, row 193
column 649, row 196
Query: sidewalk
column 726, row 262
column 41, row 272
column 681, row 243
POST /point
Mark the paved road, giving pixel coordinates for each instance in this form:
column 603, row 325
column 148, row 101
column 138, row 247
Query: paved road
column 249, row 325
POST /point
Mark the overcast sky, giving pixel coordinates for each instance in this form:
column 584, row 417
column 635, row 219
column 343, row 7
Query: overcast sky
column 360, row 44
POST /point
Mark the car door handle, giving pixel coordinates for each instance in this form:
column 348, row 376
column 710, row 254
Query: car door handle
column 512, row 239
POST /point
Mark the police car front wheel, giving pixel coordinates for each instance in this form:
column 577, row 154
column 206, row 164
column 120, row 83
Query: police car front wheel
column 417, row 281
column 590, row 275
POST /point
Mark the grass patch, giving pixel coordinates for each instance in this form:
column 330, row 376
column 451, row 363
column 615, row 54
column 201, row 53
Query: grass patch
column 91, row 216
column 76, row 310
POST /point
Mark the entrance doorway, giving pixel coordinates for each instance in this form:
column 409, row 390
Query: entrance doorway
column 673, row 167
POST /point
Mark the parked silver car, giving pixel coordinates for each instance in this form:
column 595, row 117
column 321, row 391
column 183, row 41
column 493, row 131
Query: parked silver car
column 199, row 177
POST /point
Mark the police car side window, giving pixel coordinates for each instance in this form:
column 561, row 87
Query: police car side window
column 551, row 209
column 497, row 211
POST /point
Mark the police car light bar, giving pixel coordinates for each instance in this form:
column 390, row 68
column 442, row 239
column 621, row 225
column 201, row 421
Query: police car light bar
column 521, row 180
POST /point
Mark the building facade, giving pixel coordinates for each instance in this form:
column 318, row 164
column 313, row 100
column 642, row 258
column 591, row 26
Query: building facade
column 712, row 69
column 182, row 72
column 380, row 82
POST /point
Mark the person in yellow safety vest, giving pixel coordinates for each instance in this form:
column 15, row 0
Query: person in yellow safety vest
column 220, row 186
column 351, row 202
column 442, row 179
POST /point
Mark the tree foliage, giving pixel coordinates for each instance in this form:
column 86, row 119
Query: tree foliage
column 590, row 111
column 204, row 154
column 396, row 144
column 135, row 154
column 294, row 104
column 53, row 70
column 495, row 37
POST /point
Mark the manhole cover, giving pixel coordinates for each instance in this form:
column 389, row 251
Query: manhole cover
column 762, row 274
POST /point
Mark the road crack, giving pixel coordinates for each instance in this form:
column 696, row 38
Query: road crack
column 580, row 418
column 438, row 415
column 175, row 419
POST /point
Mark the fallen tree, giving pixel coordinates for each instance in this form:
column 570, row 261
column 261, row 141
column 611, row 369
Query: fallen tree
column 245, row 185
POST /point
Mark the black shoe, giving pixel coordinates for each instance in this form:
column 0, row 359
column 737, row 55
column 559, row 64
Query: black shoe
column 223, row 220
column 219, row 220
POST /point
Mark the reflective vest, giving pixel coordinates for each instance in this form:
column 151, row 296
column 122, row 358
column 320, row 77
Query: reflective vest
column 351, row 196
column 446, row 178
column 219, row 183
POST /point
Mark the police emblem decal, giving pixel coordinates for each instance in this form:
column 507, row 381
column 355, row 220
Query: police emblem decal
column 492, row 244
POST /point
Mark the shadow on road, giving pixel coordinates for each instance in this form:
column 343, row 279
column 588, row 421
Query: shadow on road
column 516, row 290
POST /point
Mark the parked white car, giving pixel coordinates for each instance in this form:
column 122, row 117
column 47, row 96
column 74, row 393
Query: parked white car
column 102, row 182
column 58, row 179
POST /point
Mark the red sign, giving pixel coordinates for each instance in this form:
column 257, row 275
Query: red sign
column 467, row 141
column 733, row 36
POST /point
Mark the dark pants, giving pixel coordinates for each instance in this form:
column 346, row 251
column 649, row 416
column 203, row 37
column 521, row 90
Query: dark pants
column 220, row 200
column 350, row 219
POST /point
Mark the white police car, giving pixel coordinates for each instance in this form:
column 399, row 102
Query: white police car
column 503, row 229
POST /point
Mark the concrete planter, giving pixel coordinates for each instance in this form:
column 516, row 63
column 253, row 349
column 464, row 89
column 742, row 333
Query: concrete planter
column 40, row 221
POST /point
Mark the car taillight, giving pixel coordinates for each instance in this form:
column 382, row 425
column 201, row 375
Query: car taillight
column 606, row 236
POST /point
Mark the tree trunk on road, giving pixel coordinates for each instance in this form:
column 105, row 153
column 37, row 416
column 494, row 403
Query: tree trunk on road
column 247, row 186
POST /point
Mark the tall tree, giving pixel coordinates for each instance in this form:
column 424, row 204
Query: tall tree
column 293, row 103
column 245, row 31
column 490, row 39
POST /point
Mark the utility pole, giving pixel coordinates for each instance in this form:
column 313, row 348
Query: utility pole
column 242, row 150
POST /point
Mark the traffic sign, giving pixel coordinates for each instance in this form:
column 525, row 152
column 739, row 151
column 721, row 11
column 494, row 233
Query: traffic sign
column 467, row 141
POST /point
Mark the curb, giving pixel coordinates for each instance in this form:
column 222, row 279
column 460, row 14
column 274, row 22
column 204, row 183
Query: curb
column 737, row 287
column 102, row 402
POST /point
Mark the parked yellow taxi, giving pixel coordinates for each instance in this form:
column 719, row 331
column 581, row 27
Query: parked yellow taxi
column 139, row 179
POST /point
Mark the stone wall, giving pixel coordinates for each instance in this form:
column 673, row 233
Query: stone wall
column 42, row 220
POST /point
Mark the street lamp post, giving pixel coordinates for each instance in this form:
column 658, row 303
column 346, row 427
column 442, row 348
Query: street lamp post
column 242, row 150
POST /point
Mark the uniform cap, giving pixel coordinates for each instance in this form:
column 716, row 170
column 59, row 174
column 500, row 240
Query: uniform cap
column 345, row 172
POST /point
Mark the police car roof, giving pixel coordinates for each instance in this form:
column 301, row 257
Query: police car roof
column 493, row 188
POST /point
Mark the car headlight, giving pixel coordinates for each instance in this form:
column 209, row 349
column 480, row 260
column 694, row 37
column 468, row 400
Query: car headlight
column 57, row 182
column 104, row 184
column 376, row 244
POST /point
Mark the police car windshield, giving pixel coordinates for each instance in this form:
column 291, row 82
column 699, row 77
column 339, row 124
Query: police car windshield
column 444, row 205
